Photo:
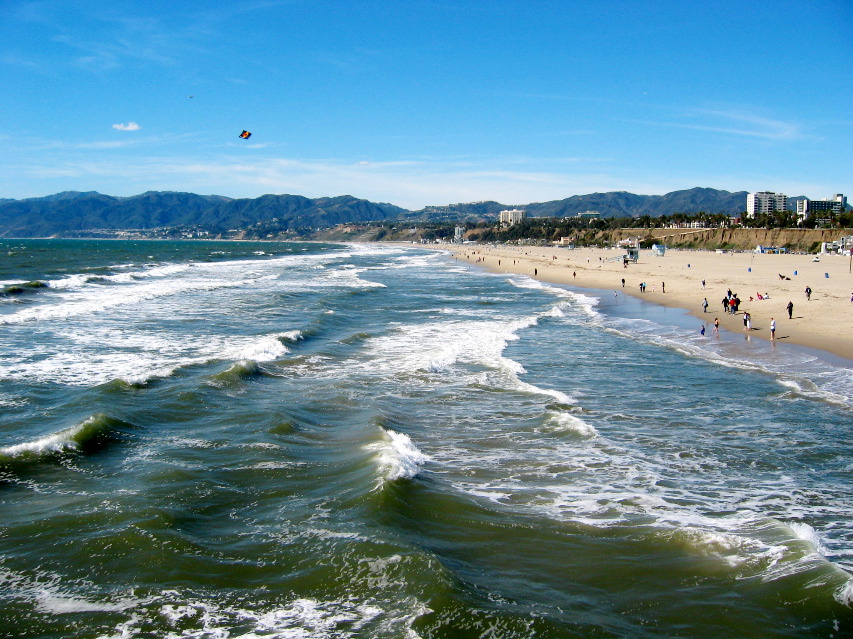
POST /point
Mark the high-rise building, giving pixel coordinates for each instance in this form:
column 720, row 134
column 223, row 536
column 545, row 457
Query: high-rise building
column 512, row 216
column 811, row 208
column 765, row 202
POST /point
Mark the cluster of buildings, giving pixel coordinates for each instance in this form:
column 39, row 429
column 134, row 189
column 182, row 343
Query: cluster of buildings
column 514, row 216
column 766, row 202
column 759, row 203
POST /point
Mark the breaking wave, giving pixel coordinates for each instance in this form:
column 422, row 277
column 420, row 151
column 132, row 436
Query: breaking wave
column 93, row 432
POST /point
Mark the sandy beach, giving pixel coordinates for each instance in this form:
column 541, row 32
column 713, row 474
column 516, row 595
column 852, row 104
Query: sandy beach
column 676, row 279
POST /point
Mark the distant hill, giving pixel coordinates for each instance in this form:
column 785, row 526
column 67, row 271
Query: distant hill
column 73, row 212
column 459, row 212
column 612, row 204
column 622, row 204
column 293, row 212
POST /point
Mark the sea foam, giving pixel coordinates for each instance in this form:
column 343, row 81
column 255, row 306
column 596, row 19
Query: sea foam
column 397, row 457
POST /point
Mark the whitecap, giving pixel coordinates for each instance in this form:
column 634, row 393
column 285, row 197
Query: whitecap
column 844, row 594
column 64, row 440
column 807, row 533
column 397, row 457
column 566, row 422
column 265, row 349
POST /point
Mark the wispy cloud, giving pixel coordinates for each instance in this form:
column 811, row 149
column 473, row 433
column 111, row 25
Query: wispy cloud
column 130, row 126
column 735, row 122
column 409, row 183
column 114, row 49
column 106, row 39
column 18, row 61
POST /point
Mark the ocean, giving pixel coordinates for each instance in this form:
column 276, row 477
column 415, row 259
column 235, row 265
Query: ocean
column 247, row 439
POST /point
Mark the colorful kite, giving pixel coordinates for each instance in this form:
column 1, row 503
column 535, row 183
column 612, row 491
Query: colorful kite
column 245, row 135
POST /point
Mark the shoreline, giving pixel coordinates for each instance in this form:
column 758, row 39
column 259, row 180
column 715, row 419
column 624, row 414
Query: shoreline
column 821, row 323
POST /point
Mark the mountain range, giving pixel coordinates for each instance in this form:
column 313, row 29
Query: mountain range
column 74, row 212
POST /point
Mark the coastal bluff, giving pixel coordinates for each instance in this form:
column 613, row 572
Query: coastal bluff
column 739, row 239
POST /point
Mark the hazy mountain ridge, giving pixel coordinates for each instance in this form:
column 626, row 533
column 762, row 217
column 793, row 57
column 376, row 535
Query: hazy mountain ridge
column 610, row 204
column 624, row 204
column 73, row 211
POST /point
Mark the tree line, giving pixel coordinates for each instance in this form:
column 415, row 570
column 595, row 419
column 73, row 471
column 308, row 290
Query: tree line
column 552, row 229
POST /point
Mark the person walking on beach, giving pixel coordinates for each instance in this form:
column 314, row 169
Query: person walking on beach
column 716, row 324
column 808, row 293
column 703, row 284
column 702, row 331
column 663, row 287
column 745, row 321
column 790, row 308
column 772, row 328
column 623, row 282
column 705, row 305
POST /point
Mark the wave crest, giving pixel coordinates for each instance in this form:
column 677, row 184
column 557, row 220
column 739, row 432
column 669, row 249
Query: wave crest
column 397, row 456
column 93, row 432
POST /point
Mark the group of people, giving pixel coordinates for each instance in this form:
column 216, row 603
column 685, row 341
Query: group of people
column 731, row 302
column 643, row 287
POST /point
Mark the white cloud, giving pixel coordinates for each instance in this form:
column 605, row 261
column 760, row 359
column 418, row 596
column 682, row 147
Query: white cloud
column 736, row 122
column 130, row 126
column 411, row 184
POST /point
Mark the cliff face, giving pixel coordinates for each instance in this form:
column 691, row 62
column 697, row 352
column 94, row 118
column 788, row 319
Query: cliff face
column 738, row 239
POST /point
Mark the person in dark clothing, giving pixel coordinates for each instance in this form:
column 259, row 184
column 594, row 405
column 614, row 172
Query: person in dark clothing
column 790, row 308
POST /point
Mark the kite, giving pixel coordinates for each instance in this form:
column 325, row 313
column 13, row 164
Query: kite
column 245, row 135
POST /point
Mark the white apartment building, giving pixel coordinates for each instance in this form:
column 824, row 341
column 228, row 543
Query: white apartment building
column 765, row 202
column 512, row 216
column 834, row 205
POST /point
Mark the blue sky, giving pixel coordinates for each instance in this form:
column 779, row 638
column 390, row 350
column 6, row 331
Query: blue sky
column 425, row 102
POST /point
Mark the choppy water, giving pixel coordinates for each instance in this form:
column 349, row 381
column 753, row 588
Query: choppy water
column 220, row 440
